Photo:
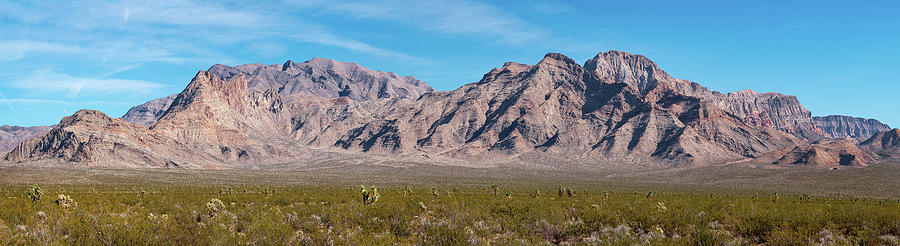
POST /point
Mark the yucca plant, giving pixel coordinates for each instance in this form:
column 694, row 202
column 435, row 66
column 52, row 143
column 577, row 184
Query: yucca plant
column 535, row 193
column 369, row 197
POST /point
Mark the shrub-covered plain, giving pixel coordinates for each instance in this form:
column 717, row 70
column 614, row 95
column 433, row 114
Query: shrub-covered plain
column 340, row 214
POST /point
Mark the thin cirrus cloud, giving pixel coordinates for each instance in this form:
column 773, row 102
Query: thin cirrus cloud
column 72, row 86
column 452, row 17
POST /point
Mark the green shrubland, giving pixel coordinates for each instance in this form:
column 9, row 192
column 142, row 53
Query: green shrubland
column 465, row 215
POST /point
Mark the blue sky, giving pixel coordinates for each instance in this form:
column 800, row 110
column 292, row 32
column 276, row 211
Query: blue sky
column 60, row 56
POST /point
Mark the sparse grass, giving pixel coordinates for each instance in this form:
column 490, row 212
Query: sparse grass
column 458, row 216
column 127, row 207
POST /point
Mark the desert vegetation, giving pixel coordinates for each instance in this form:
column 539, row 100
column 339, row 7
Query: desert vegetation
column 433, row 214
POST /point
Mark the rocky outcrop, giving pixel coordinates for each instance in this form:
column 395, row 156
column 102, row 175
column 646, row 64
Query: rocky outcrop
column 11, row 136
column 325, row 78
column 840, row 126
column 824, row 153
column 885, row 144
column 149, row 112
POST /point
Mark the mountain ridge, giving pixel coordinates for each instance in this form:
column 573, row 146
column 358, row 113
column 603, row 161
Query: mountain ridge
column 615, row 108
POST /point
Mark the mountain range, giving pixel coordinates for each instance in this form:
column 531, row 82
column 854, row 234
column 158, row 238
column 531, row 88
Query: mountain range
column 614, row 109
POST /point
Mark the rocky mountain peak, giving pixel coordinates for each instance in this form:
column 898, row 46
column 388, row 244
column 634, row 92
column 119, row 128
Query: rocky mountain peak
column 557, row 59
column 636, row 71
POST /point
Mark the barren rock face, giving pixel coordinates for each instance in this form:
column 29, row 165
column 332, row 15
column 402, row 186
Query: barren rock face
column 821, row 154
column 846, row 126
column 11, row 136
column 885, row 144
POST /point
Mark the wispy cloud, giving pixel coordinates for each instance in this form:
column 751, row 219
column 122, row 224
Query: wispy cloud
column 448, row 16
column 324, row 38
column 11, row 50
column 49, row 81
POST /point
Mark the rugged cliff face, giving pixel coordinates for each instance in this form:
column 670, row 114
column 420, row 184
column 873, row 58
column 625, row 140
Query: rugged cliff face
column 821, row 154
column 616, row 108
column 11, row 136
column 846, row 126
column 885, row 144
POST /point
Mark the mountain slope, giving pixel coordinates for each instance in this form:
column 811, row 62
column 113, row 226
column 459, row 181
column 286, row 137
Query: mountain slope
column 821, row 154
column 840, row 126
column 886, row 144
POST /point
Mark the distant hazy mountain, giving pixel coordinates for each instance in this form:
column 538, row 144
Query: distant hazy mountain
column 11, row 136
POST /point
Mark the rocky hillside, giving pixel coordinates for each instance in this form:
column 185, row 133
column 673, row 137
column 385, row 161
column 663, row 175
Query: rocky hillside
column 840, row 126
column 11, row 136
column 211, row 124
column 885, row 144
column 821, row 154
column 317, row 78
column 616, row 108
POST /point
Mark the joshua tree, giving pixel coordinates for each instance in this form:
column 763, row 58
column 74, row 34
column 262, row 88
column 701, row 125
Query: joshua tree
column 369, row 197
column 35, row 193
